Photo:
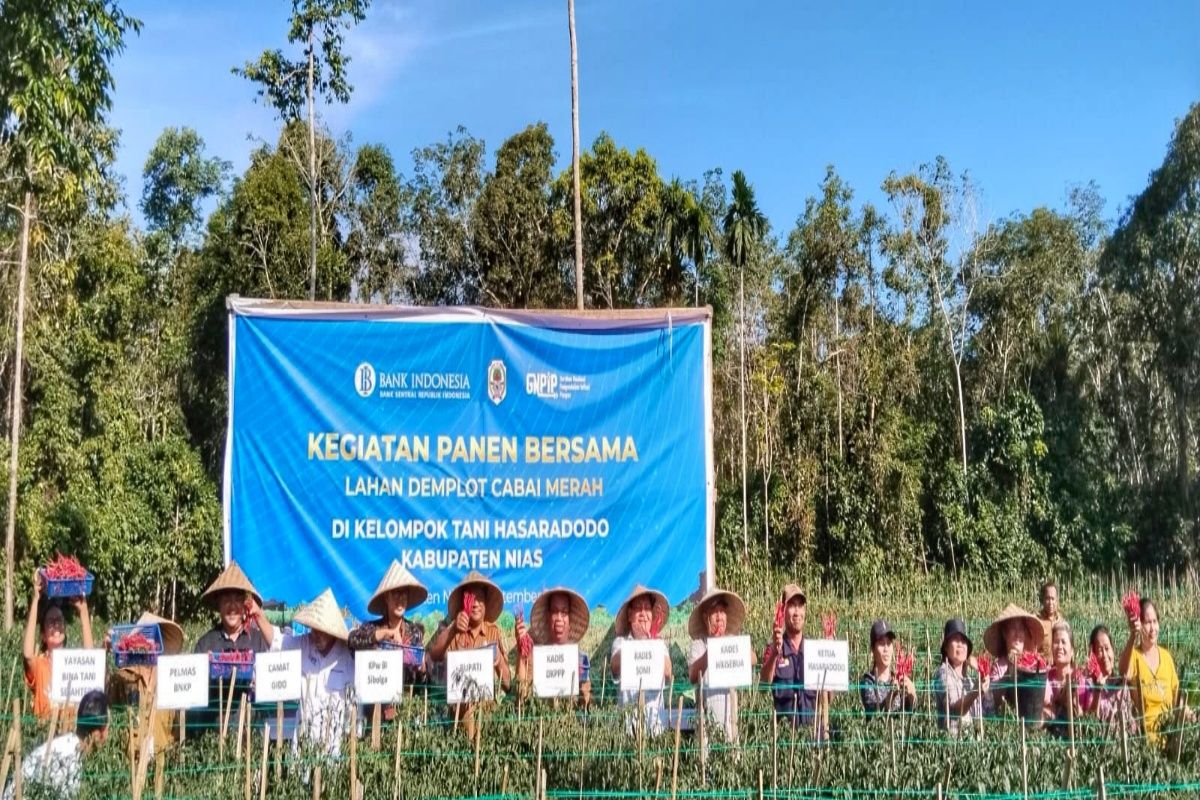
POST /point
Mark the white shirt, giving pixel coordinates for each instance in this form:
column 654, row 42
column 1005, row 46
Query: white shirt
column 721, row 704
column 61, row 773
column 324, row 707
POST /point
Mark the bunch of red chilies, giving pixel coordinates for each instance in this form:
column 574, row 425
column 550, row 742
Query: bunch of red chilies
column 657, row 625
column 1132, row 605
column 829, row 625
column 525, row 642
column 983, row 664
column 136, row 642
column 468, row 603
column 64, row 568
column 904, row 663
column 1093, row 668
column 1031, row 662
column 770, row 648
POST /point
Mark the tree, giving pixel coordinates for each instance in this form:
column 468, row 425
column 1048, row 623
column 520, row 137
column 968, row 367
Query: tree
column 287, row 84
column 512, row 227
column 177, row 178
column 687, row 236
column 375, row 241
column 744, row 225
column 55, row 89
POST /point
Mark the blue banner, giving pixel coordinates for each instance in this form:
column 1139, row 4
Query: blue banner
column 538, row 448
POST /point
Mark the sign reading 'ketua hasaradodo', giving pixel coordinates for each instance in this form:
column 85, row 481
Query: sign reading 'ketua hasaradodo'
column 379, row 676
column 827, row 664
column 74, row 673
column 518, row 444
column 470, row 675
column 182, row 681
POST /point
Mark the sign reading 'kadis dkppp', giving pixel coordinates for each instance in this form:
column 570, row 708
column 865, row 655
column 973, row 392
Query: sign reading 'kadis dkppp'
column 529, row 446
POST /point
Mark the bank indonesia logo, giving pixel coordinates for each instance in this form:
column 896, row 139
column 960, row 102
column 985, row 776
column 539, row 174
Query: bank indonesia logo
column 497, row 381
column 364, row 379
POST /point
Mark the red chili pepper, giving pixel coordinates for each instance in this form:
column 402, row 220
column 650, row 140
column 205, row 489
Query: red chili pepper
column 904, row 663
column 829, row 625
column 136, row 642
column 779, row 615
column 248, row 613
column 657, row 625
column 65, row 568
column 1093, row 668
column 983, row 664
column 524, row 641
column 1132, row 604
column 1031, row 662
column 468, row 602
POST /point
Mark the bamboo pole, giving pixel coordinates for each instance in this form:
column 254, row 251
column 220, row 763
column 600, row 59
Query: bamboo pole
column 316, row 792
column 278, row 740
column 6, row 761
column 160, row 769
column 675, row 761
column 18, row 773
column 354, row 751
column 262, row 769
column 246, row 768
column 241, row 730
column 227, row 706
column 397, row 792
column 376, row 721
column 537, row 775
column 1024, row 765
column 774, row 752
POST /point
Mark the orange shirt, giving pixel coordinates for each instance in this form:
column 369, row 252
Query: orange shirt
column 37, row 678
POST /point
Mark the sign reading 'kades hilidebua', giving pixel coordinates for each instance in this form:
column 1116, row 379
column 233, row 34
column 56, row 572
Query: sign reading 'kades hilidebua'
column 827, row 664
column 729, row 662
column 537, row 448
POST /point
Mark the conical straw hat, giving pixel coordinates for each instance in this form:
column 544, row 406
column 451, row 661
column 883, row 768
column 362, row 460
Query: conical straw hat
column 232, row 579
column 397, row 577
column 324, row 615
column 172, row 634
column 539, row 616
column 993, row 637
column 735, row 614
column 661, row 608
column 493, row 598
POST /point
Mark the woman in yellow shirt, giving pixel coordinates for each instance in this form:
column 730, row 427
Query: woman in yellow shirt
column 1150, row 671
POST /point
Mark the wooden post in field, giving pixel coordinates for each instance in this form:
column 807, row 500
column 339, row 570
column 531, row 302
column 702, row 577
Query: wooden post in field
column 537, row 773
column 1024, row 764
column 376, row 737
column 278, row 740
column 241, row 730
column 262, row 769
column 18, row 773
column 354, row 751
column 160, row 769
column 396, row 759
column 675, row 762
column 316, row 795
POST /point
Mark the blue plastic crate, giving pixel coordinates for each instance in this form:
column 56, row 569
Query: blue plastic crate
column 151, row 632
column 222, row 664
column 414, row 656
column 68, row 587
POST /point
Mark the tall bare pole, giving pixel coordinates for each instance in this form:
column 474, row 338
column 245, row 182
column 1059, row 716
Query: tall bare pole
column 10, row 532
column 312, row 167
column 575, row 157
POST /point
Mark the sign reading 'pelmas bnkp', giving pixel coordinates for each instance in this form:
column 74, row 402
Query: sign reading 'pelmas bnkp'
column 540, row 448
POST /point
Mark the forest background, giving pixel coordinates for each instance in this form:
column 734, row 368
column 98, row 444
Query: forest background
column 902, row 390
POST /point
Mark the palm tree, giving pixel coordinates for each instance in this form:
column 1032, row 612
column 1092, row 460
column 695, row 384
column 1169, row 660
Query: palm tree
column 744, row 225
column 687, row 233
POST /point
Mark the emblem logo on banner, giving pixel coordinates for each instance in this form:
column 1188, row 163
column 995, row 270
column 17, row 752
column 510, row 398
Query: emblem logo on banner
column 497, row 381
column 364, row 380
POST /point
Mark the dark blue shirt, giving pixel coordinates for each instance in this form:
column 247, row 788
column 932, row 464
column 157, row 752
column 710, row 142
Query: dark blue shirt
column 790, row 696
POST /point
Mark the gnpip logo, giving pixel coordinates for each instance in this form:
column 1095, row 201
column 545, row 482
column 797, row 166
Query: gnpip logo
column 364, row 379
column 542, row 384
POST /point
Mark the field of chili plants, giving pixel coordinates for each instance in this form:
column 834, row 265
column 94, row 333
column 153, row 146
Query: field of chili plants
column 529, row 749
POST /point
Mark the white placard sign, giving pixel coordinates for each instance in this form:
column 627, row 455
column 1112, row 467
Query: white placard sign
column 74, row 673
column 182, row 681
column 827, row 664
column 379, row 675
column 556, row 670
column 277, row 677
column 642, row 664
column 729, row 662
column 469, row 675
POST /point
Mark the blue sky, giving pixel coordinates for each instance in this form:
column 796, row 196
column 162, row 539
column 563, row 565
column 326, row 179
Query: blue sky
column 1031, row 98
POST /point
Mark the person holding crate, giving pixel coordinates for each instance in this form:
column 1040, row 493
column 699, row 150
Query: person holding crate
column 134, row 683
column 559, row 616
column 241, row 630
column 53, row 627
